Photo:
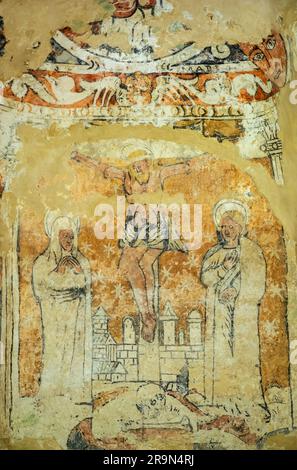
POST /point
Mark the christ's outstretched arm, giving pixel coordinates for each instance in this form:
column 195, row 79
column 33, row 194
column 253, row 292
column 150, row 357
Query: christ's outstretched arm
column 185, row 167
column 175, row 169
column 107, row 171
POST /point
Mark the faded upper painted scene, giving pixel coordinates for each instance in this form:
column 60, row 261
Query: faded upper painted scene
column 225, row 91
column 148, row 231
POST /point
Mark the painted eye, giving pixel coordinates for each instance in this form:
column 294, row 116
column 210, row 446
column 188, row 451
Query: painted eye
column 270, row 44
column 259, row 56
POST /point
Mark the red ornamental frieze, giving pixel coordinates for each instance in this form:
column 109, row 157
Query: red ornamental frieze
column 71, row 90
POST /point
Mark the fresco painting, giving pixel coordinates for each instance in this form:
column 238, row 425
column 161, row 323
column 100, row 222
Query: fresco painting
column 148, row 262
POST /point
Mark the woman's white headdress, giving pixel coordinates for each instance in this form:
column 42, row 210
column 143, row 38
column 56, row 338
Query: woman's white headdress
column 229, row 205
column 54, row 218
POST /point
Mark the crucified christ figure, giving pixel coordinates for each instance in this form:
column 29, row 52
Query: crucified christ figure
column 139, row 254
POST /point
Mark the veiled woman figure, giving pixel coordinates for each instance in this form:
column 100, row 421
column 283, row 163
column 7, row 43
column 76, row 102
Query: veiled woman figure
column 62, row 287
column 234, row 272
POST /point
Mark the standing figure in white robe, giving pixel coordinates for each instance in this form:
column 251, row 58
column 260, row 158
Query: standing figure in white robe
column 234, row 272
column 62, row 287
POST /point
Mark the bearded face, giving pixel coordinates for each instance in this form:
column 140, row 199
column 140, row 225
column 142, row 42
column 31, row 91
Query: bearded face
column 140, row 171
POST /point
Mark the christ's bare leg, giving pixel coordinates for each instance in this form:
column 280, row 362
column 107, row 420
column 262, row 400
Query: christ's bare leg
column 146, row 263
column 130, row 264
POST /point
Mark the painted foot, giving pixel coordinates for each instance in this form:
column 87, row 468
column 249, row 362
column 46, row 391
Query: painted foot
column 148, row 331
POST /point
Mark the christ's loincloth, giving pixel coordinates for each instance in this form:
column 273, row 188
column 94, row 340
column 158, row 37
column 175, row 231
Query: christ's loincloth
column 157, row 232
